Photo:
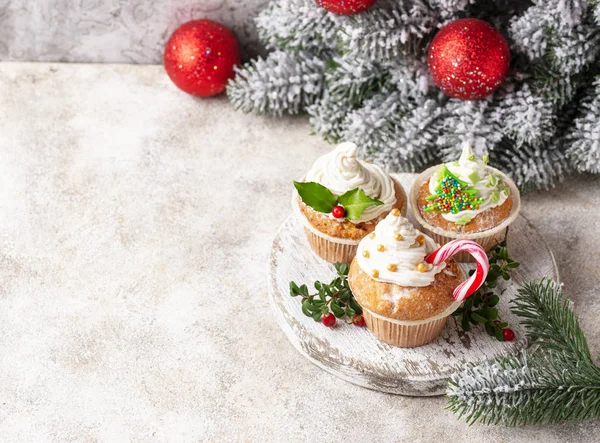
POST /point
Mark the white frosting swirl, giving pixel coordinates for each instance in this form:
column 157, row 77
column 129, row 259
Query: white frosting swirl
column 405, row 253
column 490, row 189
column 340, row 171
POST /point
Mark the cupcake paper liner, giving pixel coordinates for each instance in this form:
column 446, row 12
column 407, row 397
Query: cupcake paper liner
column 332, row 249
column 486, row 239
column 408, row 334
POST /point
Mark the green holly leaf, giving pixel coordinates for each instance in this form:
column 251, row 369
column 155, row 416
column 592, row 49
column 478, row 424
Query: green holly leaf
column 316, row 196
column 355, row 202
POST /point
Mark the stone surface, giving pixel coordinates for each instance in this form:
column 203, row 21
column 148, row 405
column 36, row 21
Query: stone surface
column 112, row 31
column 133, row 272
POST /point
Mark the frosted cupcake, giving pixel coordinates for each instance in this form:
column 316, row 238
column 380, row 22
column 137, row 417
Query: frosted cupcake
column 341, row 200
column 465, row 199
column 406, row 300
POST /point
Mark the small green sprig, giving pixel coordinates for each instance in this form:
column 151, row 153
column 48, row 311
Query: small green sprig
column 480, row 308
column 335, row 297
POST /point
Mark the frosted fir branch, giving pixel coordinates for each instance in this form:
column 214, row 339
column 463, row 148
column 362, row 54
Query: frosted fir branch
column 354, row 80
column 395, row 132
column 557, row 381
column 583, row 137
column 552, row 85
column 572, row 12
column 527, row 33
column 525, row 390
column 281, row 83
column 526, row 117
column 410, row 76
column 348, row 83
column 448, row 9
column 531, row 167
column 388, row 30
column 571, row 52
column 327, row 116
column 296, row 25
column 468, row 121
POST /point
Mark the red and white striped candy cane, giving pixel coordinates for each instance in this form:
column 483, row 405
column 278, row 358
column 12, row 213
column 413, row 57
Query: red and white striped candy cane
column 474, row 282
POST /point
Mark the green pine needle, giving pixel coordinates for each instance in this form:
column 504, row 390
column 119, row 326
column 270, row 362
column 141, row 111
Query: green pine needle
column 558, row 381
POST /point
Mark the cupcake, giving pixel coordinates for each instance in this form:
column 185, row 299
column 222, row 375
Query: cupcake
column 341, row 200
column 405, row 299
column 465, row 199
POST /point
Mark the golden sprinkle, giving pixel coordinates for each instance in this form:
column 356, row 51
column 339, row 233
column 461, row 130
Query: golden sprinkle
column 398, row 237
column 421, row 239
column 380, row 248
column 366, row 254
column 421, row 267
column 395, row 212
column 374, row 273
column 372, row 235
column 392, row 267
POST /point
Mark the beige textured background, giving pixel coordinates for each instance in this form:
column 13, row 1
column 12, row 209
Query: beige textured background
column 112, row 31
column 134, row 237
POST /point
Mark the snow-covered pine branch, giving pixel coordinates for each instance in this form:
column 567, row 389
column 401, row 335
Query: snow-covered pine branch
column 296, row 24
column 281, row 83
column 395, row 132
column 388, row 30
column 583, row 137
column 531, row 167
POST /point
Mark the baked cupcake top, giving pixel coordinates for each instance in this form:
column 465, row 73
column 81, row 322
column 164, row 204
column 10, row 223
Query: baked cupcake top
column 461, row 190
column 340, row 171
column 395, row 253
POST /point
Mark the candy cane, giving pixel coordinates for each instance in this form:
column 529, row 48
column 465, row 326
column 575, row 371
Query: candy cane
column 474, row 282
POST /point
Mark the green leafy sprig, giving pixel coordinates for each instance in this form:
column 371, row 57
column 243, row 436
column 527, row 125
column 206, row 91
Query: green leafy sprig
column 555, row 381
column 480, row 308
column 335, row 297
column 322, row 199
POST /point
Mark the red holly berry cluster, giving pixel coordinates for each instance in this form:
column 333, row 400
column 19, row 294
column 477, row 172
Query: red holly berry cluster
column 329, row 320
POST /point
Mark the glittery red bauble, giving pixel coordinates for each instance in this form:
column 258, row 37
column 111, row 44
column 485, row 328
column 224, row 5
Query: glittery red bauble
column 345, row 7
column 468, row 59
column 200, row 56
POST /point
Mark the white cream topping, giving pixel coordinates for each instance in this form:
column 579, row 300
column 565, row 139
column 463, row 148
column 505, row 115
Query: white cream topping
column 340, row 171
column 396, row 253
column 468, row 168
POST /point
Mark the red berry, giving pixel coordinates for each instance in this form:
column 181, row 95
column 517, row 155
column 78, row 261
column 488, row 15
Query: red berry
column 508, row 334
column 338, row 211
column 358, row 320
column 328, row 320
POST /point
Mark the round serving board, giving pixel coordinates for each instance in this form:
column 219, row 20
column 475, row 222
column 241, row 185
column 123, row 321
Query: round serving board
column 354, row 354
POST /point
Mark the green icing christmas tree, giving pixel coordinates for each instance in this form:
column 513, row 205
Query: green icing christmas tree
column 453, row 195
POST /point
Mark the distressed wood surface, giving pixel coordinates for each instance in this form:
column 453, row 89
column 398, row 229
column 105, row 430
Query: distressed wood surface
column 355, row 355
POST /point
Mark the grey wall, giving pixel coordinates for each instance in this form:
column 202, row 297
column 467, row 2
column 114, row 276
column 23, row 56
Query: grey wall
column 111, row 31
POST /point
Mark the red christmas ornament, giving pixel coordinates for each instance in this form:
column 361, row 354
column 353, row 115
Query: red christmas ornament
column 200, row 56
column 468, row 59
column 345, row 7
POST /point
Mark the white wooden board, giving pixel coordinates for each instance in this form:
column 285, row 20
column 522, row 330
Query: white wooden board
column 355, row 355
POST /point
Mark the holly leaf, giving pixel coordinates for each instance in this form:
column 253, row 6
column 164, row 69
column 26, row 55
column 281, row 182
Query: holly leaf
column 316, row 196
column 355, row 202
